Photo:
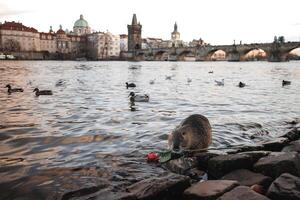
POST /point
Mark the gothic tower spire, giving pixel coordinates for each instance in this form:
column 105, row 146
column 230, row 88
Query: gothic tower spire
column 134, row 20
column 134, row 35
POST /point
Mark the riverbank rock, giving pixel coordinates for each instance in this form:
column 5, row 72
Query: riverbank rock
column 244, row 193
column 256, row 155
column 209, row 190
column 293, row 146
column 248, row 178
column 221, row 165
column 293, row 134
column 285, row 187
column 165, row 187
column 277, row 163
column 203, row 158
column 276, row 144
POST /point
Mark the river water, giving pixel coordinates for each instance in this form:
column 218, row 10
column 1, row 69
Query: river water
column 86, row 135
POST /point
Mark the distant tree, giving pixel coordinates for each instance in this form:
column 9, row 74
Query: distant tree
column 281, row 39
column 11, row 45
column 275, row 39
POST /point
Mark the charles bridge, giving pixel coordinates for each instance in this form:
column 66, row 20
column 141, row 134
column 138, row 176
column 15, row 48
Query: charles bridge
column 275, row 52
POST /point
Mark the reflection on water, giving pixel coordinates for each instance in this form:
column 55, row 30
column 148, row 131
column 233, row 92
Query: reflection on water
column 87, row 139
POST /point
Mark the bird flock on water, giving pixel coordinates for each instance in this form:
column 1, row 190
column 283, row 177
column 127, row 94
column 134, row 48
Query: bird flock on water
column 133, row 97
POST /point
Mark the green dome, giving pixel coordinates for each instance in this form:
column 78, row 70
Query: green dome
column 81, row 22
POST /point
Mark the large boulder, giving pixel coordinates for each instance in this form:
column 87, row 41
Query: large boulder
column 244, row 193
column 248, row 178
column 165, row 187
column 276, row 144
column 293, row 146
column 209, row 190
column 277, row 163
column 293, row 134
column 256, row 155
column 203, row 158
column 221, row 165
column 285, row 187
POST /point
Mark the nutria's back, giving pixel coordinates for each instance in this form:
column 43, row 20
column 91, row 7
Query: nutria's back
column 194, row 132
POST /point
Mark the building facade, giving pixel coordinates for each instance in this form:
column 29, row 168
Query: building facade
column 15, row 36
column 134, row 35
column 103, row 46
column 81, row 27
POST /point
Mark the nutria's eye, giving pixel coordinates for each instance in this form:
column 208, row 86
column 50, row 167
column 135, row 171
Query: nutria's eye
column 183, row 133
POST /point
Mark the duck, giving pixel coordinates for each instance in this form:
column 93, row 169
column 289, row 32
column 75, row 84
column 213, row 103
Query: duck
column 189, row 80
column 11, row 90
column 138, row 98
column 130, row 85
column 241, row 84
column 286, row 82
column 42, row 92
column 211, row 72
column 220, row 83
column 168, row 77
column 152, row 81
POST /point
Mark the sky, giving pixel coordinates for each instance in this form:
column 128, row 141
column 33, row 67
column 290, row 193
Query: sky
column 215, row 21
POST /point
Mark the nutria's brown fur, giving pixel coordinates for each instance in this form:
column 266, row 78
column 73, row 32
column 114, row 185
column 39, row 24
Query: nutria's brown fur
column 193, row 133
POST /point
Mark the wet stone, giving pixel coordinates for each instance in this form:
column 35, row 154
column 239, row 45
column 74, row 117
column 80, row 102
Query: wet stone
column 293, row 146
column 248, row 178
column 203, row 158
column 221, row 165
column 275, row 144
column 244, row 193
column 165, row 187
column 256, row 155
column 209, row 190
column 180, row 165
column 284, row 187
column 293, row 134
column 277, row 163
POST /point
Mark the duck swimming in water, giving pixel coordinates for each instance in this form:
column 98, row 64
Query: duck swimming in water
column 220, row 83
column 286, row 82
column 11, row 90
column 138, row 98
column 42, row 92
column 130, row 85
column 241, row 84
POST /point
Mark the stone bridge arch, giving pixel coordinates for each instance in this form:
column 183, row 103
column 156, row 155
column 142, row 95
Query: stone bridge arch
column 253, row 54
column 161, row 55
column 210, row 55
column 185, row 55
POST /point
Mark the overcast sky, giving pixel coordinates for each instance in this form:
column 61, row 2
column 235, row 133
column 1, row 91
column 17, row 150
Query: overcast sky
column 215, row 21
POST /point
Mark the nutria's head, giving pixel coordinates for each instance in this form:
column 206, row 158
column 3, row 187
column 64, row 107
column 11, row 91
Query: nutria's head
column 8, row 86
column 36, row 90
column 184, row 138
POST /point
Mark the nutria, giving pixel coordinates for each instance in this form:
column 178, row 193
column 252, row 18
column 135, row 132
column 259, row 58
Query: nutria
column 193, row 133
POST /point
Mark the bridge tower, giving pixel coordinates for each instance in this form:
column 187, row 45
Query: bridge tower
column 134, row 35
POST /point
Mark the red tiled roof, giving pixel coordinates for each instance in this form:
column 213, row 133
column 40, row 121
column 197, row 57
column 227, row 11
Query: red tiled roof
column 60, row 31
column 17, row 27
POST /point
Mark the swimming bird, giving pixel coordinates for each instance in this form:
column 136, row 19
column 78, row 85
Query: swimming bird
column 130, row 85
column 138, row 98
column 286, row 82
column 42, row 92
column 168, row 77
column 152, row 81
column 189, row 80
column 241, row 84
column 210, row 72
column 11, row 90
column 220, row 83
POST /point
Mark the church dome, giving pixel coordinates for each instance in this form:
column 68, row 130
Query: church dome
column 81, row 22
